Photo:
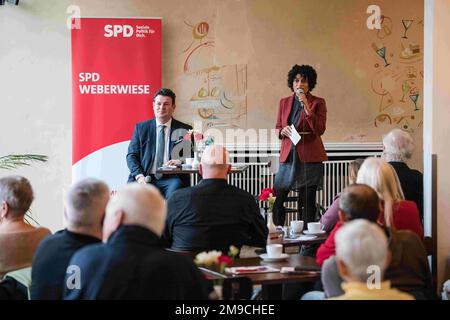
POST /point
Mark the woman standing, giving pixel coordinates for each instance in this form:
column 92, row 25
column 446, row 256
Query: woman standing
column 301, row 165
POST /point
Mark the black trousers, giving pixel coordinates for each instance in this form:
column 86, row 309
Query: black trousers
column 306, row 203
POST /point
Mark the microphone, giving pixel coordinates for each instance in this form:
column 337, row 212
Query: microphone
column 147, row 179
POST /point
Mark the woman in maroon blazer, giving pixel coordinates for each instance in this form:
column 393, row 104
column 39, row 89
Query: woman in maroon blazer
column 301, row 166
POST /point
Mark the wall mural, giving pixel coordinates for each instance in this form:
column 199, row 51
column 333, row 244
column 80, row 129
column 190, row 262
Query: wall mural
column 398, row 77
column 218, row 92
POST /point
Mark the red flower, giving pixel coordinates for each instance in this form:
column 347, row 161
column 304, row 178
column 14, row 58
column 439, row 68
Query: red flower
column 265, row 194
column 224, row 259
column 198, row 136
column 187, row 137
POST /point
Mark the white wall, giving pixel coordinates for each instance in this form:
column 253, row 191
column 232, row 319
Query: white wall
column 35, row 99
column 437, row 120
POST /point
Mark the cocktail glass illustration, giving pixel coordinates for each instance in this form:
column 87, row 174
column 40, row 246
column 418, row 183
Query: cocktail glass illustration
column 414, row 98
column 406, row 24
column 382, row 53
column 405, row 89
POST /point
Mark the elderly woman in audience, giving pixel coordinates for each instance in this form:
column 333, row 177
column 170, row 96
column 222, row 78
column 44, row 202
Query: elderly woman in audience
column 331, row 216
column 18, row 239
column 362, row 254
column 398, row 213
column 398, row 147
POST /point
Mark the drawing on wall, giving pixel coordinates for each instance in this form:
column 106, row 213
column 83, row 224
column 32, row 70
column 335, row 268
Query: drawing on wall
column 386, row 27
column 381, row 51
column 218, row 92
column 399, row 83
column 406, row 24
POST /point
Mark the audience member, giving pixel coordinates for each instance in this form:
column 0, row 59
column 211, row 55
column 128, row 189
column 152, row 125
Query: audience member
column 331, row 216
column 408, row 269
column 84, row 212
column 398, row 147
column 18, row 239
column 361, row 254
column 133, row 264
column 398, row 213
column 213, row 214
column 357, row 201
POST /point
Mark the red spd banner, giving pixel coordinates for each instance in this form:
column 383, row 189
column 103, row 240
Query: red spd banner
column 116, row 69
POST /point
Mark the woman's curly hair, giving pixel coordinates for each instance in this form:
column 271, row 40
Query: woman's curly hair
column 305, row 71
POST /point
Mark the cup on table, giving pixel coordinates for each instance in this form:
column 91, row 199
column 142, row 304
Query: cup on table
column 274, row 250
column 297, row 226
column 189, row 161
column 315, row 227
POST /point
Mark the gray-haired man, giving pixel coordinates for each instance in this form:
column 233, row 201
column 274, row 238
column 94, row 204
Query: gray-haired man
column 84, row 211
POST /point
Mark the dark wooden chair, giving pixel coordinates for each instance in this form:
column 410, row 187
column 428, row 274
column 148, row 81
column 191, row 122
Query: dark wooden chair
column 239, row 288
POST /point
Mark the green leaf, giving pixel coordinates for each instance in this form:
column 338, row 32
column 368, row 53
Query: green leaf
column 14, row 161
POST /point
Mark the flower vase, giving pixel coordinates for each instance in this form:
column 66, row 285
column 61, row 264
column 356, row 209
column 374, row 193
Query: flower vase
column 270, row 225
column 196, row 161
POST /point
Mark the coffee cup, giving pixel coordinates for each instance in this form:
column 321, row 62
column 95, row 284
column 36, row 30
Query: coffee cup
column 274, row 250
column 189, row 161
column 315, row 227
column 297, row 226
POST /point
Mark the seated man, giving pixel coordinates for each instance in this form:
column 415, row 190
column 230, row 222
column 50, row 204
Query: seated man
column 214, row 214
column 132, row 264
column 18, row 239
column 362, row 257
column 157, row 142
column 85, row 209
column 408, row 269
column 398, row 147
column 357, row 201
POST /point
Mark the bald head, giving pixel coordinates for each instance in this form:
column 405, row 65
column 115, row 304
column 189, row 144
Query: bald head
column 359, row 201
column 136, row 204
column 215, row 163
column 85, row 206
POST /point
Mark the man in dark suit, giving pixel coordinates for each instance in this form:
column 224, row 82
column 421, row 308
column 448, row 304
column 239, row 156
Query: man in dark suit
column 159, row 142
column 84, row 211
column 398, row 147
column 213, row 214
column 133, row 264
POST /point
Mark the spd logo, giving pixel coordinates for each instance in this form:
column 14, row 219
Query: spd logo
column 116, row 30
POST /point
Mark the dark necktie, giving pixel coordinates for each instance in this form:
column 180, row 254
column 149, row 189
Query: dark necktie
column 161, row 148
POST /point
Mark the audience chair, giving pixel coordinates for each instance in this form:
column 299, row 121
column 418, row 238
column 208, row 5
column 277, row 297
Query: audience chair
column 239, row 288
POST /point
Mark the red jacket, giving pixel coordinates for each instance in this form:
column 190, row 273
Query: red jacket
column 310, row 148
column 406, row 217
column 328, row 248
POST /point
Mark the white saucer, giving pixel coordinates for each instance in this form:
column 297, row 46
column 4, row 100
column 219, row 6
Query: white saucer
column 302, row 237
column 314, row 233
column 282, row 256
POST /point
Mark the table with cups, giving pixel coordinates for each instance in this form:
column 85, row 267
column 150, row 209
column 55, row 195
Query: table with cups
column 294, row 235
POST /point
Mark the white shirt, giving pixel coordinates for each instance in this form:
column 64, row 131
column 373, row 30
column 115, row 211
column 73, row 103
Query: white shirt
column 167, row 140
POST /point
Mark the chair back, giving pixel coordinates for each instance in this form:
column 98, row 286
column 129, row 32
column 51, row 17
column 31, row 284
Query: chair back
column 22, row 276
column 239, row 288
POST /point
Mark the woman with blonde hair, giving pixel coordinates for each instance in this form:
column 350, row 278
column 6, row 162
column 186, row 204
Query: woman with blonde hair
column 398, row 213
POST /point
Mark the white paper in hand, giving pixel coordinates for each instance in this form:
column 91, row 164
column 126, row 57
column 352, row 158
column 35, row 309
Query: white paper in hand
column 295, row 137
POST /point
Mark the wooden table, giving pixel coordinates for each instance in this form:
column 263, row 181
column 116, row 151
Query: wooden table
column 287, row 242
column 278, row 237
column 272, row 282
column 235, row 168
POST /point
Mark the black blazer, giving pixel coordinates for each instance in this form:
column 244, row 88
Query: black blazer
column 134, row 265
column 142, row 148
column 412, row 183
column 213, row 215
